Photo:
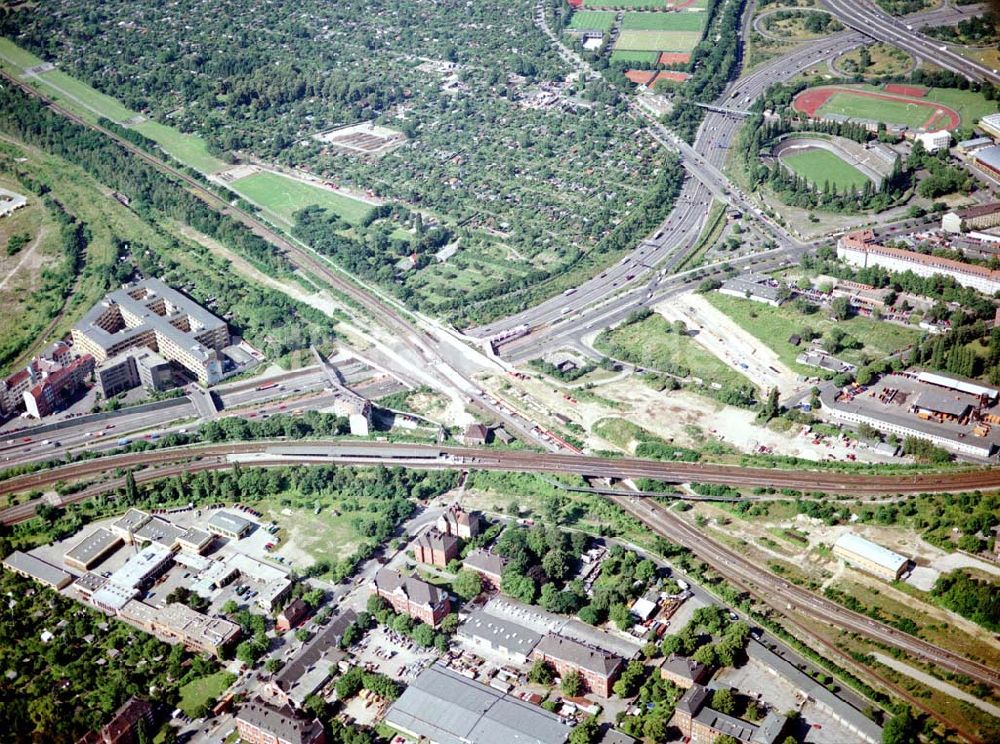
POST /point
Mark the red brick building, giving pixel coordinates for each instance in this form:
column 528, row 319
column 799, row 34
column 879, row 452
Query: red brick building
column 289, row 617
column 411, row 596
column 488, row 565
column 599, row 669
column 259, row 723
column 435, row 547
column 683, row 671
column 458, row 522
column 123, row 728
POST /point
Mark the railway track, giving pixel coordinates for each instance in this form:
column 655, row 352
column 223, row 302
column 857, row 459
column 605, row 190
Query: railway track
column 780, row 593
column 334, row 451
column 434, row 364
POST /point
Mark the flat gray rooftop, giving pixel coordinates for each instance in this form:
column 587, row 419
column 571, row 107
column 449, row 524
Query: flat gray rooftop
column 143, row 318
column 448, row 708
column 224, row 520
column 37, row 569
column 93, row 545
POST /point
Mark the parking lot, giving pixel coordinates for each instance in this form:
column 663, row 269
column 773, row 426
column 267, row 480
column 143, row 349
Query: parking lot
column 388, row 652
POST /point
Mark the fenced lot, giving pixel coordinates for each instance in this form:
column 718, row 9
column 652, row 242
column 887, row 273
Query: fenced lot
column 284, row 196
column 660, row 41
column 874, row 105
column 818, row 166
column 664, row 21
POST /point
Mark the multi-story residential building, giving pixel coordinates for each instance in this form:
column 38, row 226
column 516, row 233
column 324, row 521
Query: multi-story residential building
column 458, row 522
column 979, row 217
column 435, row 548
column 152, row 315
column 259, row 723
column 411, row 596
column 12, row 388
column 48, row 395
column 861, row 249
column 488, row 565
column 124, row 727
column 598, row 669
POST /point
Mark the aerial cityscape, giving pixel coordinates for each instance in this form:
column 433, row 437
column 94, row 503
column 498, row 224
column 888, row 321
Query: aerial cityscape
column 539, row 372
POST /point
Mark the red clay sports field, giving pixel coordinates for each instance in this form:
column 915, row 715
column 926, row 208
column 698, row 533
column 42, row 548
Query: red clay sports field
column 812, row 100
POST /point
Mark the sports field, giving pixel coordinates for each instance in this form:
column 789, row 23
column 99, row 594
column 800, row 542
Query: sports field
column 660, row 41
column 592, row 20
column 624, row 4
column 934, row 110
column 664, row 21
column 818, row 166
column 620, row 55
column 189, row 149
column 909, row 113
column 283, row 197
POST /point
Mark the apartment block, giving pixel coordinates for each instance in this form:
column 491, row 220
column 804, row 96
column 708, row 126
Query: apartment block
column 152, row 315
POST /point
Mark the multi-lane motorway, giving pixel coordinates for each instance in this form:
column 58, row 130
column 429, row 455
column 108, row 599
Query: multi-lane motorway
column 646, row 275
column 864, row 16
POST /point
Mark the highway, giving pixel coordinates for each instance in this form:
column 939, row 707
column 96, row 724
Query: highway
column 646, row 275
column 432, row 361
column 865, row 17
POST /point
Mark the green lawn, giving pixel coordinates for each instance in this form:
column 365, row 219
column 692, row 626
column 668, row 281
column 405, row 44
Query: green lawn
column 664, row 21
column 189, row 149
column 200, row 691
column 651, row 343
column 592, row 20
column 773, row 326
column 13, row 54
column 912, row 115
column 970, row 106
column 86, row 96
column 817, row 166
column 661, row 41
column 621, row 55
column 623, row 3
column 283, row 197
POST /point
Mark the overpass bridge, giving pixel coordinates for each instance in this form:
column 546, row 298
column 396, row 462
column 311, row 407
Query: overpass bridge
column 725, row 111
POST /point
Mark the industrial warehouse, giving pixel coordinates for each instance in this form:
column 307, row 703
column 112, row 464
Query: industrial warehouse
column 130, row 567
column 958, row 415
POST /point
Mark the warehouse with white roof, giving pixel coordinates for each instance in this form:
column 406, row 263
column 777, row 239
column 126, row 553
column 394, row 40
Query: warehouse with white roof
column 870, row 557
